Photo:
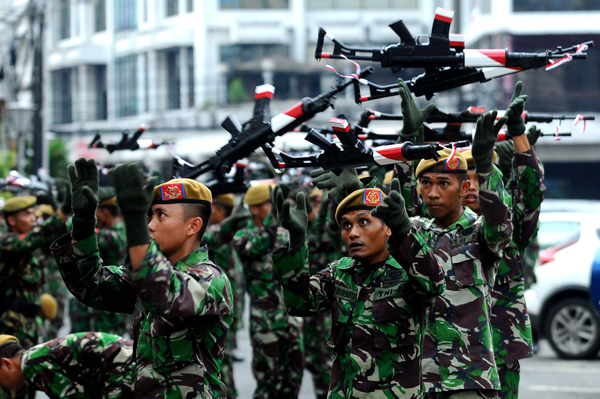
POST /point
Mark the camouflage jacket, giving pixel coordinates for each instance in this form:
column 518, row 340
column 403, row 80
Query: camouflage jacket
column 112, row 244
column 254, row 244
column 378, row 315
column 22, row 277
column 458, row 346
column 82, row 365
column 182, row 314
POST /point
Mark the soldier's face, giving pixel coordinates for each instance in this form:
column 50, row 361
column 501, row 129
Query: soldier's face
column 11, row 375
column 23, row 221
column 365, row 236
column 102, row 217
column 443, row 194
column 261, row 211
column 471, row 199
column 168, row 227
column 217, row 215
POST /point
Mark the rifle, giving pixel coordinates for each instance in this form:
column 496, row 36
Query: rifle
column 260, row 131
column 440, row 49
column 127, row 143
column 351, row 152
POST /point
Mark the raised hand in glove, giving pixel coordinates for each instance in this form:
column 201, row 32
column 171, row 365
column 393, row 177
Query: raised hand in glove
column 533, row 134
column 64, row 200
column 412, row 116
column 486, row 135
column 134, row 196
column 84, row 197
column 294, row 219
column 515, row 124
column 506, row 151
column 236, row 221
column 393, row 213
column 340, row 186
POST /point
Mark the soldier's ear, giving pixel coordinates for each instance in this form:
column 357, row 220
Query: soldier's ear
column 194, row 226
column 464, row 187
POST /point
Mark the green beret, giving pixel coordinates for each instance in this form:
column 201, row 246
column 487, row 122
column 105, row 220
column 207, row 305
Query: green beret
column 7, row 339
column 258, row 194
column 366, row 199
column 16, row 204
column 107, row 196
column 469, row 157
column 225, row 200
column 182, row 191
column 444, row 164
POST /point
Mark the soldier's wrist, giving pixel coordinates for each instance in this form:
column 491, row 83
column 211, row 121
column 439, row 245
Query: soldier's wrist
column 83, row 228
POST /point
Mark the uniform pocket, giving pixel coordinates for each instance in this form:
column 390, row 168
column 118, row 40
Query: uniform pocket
column 172, row 344
column 467, row 266
column 393, row 323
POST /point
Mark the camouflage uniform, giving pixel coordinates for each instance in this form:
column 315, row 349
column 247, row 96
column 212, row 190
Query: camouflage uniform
column 112, row 244
column 182, row 314
column 21, row 279
column 55, row 286
column 458, row 346
column 224, row 256
column 510, row 322
column 83, row 365
column 378, row 314
column 277, row 362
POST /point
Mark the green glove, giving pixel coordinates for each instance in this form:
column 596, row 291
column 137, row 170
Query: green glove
column 293, row 219
column 134, row 197
column 64, row 196
column 533, row 134
column 486, row 135
column 393, row 213
column 505, row 150
column 340, row 186
column 378, row 172
column 84, row 197
column 412, row 116
column 324, row 205
column 46, row 197
column 515, row 124
column 236, row 221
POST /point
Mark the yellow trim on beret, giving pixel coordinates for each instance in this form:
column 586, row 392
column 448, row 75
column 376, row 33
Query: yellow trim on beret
column 315, row 192
column 16, row 204
column 367, row 198
column 363, row 175
column 225, row 200
column 7, row 339
column 181, row 191
column 458, row 164
column 44, row 209
column 469, row 157
column 387, row 180
column 258, row 194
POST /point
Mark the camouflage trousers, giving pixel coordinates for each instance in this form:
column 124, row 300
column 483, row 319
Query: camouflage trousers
column 510, row 322
column 464, row 394
column 277, row 363
column 227, row 367
column 510, row 375
column 317, row 354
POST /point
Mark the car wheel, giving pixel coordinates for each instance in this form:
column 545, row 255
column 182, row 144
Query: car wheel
column 573, row 329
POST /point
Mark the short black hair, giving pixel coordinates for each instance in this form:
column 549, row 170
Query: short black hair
column 9, row 350
column 227, row 209
column 462, row 177
column 203, row 211
column 112, row 209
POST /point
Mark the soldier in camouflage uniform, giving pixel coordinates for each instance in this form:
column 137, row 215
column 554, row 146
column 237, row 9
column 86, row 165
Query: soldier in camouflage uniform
column 112, row 244
column 510, row 322
column 378, row 302
column 277, row 362
column 221, row 252
column 458, row 347
column 83, row 365
column 181, row 301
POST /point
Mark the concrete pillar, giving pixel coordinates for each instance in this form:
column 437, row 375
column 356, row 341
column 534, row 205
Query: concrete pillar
column 83, row 95
column 141, row 83
column 184, row 78
column 154, row 82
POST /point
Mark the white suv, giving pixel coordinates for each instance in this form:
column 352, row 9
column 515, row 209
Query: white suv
column 559, row 302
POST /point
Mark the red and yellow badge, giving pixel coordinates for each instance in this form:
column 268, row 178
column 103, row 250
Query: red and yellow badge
column 170, row 192
column 372, row 197
column 452, row 163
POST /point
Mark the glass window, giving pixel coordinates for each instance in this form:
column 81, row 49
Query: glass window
column 172, row 7
column 125, row 15
column 99, row 15
column 63, row 18
column 240, row 53
column 360, row 4
column 277, row 4
column 555, row 5
column 190, row 5
column 100, row 91
column 553, row 232
column 62, row 96
column 173, row 79
column 190, row 67
column 126, row 85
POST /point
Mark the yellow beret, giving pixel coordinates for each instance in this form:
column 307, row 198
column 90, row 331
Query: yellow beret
column 16, row 204
column 107, row 196
column 457, row 164
column 387, row 180
column 180, row 191
column 49, row 307
column 469, row 157
column 363, row 175
column 315, row 193
column 258, row 194
column 7, row 339
column 366, row 199
column 44, row 209
column 225, row 200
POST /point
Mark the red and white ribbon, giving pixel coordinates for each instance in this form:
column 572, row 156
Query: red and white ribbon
column 452, row 153
column 557, row 135
column 578, row 119
column 553, row 64
column 355, row 75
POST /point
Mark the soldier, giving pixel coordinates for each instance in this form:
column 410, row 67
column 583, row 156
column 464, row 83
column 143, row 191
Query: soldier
column 277, row 362
column 112, row 245
column 458, row 351
column 378, row 301
column 511, row 327
column 83, row 365
column 180, row 300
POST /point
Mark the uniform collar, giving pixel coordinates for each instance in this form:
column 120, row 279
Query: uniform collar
column 465, row 220
column 194, row 258
column 349, row 263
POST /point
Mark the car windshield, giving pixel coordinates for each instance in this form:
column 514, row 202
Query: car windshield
column 553, row 232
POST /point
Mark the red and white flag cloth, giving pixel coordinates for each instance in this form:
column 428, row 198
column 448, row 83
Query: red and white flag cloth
column 355, row 75
column 553, row 64
column 578, row 119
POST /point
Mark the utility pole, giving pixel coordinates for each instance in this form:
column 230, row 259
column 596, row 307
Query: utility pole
column 37, row 19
